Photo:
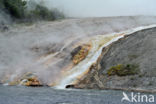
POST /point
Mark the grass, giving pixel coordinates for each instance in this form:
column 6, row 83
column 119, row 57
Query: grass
column 123, row 70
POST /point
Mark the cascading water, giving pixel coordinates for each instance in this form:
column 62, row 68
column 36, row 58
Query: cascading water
column 83, row 67
column 21, row 62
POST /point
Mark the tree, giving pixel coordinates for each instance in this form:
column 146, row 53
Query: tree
column 16, row 8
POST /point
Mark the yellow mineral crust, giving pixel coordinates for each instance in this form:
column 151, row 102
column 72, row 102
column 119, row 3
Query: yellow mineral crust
column 32, row 82
column 81, row 54
column 28, row 79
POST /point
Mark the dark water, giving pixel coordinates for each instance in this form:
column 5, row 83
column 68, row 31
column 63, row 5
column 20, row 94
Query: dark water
column 45, row 95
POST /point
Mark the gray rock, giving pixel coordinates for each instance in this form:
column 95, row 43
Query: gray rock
column 138, row 48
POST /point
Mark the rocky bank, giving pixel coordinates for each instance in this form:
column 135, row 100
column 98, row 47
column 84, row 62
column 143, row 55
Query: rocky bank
column 136, row 51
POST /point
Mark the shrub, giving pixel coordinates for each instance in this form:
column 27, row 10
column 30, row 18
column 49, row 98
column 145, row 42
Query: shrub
column 16, row 8
column 1, row 4
column 42, row 13
column 123, row 70
column 19, row 11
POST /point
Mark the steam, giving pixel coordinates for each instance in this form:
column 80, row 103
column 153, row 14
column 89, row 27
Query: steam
column 4, row 20
column 103, row 8
column 44, row 48
column 26, row 50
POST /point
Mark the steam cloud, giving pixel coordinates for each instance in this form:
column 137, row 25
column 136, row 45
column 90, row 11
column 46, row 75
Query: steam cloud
column 22, row 47
column 17, row 54
column 100, row 8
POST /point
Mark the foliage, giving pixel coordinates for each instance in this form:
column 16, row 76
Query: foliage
column 18, row 10
column 123, row 70
column 42, row 13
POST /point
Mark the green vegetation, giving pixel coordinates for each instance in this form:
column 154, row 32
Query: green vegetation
column 17, row 9
column 43, row 13
column 1, row 4
column 123, row 70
